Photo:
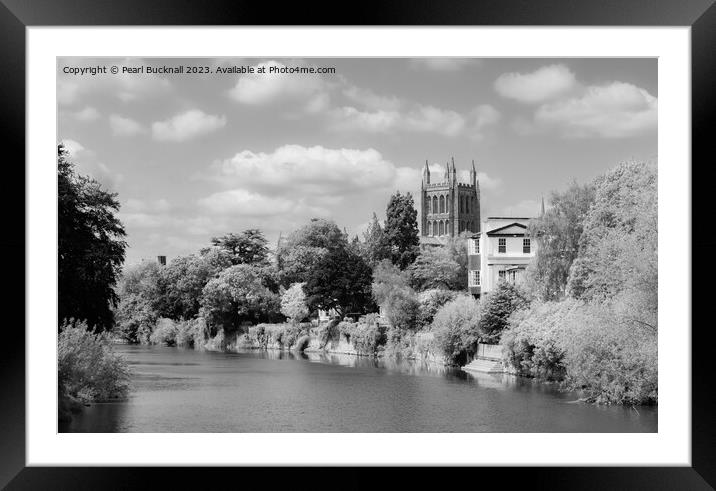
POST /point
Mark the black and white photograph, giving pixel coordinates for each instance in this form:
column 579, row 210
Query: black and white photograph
column 357, row 245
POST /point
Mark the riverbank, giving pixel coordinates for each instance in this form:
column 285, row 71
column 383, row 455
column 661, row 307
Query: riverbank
column 188, row 390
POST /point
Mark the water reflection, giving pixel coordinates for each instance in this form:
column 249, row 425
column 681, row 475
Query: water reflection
column 178, row 390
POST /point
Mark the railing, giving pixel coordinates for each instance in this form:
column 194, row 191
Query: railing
column 491, row 351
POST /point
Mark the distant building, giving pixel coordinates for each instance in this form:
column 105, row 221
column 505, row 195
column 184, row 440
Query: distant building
column 500, row 252
column 448, row 207
column 162, row 260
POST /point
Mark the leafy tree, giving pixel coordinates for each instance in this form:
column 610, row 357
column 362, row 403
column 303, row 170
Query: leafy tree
column 306, row 247
column 456, row 328
column 248, row 247
column 340, row 280
column 430, row 302
column 293, row 303
column 392, row 292
column 141, row 294
column 184, row 278
column 375, row 243
column 242, row 292
column 497, row 307
column 401, row 229
column 90, row 246
column 435, row 268
column 557, row 233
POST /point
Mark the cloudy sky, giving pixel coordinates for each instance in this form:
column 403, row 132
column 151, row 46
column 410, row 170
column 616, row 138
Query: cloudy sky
column 194, row 156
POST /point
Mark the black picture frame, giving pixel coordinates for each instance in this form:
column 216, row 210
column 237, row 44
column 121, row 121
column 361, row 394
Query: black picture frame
column 16, row 15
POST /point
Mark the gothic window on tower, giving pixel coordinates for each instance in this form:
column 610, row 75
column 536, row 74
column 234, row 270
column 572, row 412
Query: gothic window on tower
column 430, row 228
column 435, row 204
column 442, row 228
column 467, row 204
column 442, row 204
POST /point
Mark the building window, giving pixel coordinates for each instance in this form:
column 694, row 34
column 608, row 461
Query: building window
column 435, row 204
column 501, row 246
column 430, row 228
column 467, row 205
column 474, row 246
column 501, row 275
column 442, row 228
column 474, row 278
column 526, row 246
column 442, row 204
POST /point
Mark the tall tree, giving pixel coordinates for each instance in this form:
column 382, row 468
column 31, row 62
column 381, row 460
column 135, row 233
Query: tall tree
column 375, row 243
column 248, row 247
column 91, row 247
column 401, row 229
column 557, row 233
column 341, row 280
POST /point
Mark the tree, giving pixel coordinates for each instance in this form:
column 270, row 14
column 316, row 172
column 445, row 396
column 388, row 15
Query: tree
column 456, row 328
column 293, row 303
column 184, row 278
column 248, row 247
column 91, row 247
column 435, row 268
column 375, row 243
column 618, row 258
column 243, row 292
column 340, row 280
column 392, row 292
column 401, row 229
column 497, row 307
column 557, row 233
column 141, row 296
column 304, row 248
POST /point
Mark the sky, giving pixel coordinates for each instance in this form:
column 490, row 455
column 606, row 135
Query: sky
column 193, row 156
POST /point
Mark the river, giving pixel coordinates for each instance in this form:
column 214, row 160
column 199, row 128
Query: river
column 177, row 390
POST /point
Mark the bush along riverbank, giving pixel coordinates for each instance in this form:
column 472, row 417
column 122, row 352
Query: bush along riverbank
column 367, row 337
column 88, row 369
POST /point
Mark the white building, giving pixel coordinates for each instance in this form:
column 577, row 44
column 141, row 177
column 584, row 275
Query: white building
column 500, row 252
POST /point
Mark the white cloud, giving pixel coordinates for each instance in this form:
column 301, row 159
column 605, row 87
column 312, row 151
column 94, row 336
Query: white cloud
column 443, row 64
column 246, row 203
column 615, row 110
column 370, row 99
column 73, row 147
column 187, row 125
column 72, row 89
column 122, row 126
column 86, row 163
column 155, row 206
column 538, row 86
column 309, row 169
column 87, row 114
column 264, row 88
column 418, row 119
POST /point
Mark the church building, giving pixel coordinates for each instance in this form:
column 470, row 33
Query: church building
column 448, row 207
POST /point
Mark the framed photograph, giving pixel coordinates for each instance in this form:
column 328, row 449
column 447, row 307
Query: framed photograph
column 416, row 237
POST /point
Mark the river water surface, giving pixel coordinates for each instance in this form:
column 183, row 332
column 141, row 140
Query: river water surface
column 177, row 390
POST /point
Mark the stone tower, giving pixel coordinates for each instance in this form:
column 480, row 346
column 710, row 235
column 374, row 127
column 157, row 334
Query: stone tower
column 449, row 207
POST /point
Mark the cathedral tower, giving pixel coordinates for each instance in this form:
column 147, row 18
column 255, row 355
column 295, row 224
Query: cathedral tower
column 449, row 207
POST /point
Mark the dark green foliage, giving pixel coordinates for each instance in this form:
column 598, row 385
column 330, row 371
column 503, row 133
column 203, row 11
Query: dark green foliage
column 430, row 302
column 368, row 336
column 436, row 268
column 90, row 247
column 340, row 280
column 248, row 247
column 401, row 229
column 240, row 293
column 497, row 307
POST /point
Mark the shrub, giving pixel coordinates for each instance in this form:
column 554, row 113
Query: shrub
column 88, row 369
column 430, row 303
column 165, row 333
column 327, row 332
column 368, row 337
column 533, row 341
column 456, row 328
column 610, row 361
column 497, row 306
column 293, row 303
